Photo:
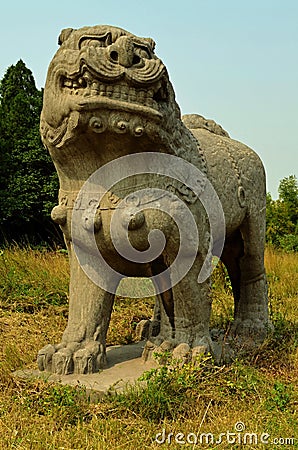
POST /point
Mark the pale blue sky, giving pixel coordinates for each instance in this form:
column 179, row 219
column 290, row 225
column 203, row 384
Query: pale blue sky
column 233, row 61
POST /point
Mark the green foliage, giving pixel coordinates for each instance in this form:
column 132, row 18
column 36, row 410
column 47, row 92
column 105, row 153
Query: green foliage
column 282, row 216
column 288, row 193
column 174, row 391
column 170, row 391
column 28, row 181
column 279, row 397
column 66, row 403
column 289, row 242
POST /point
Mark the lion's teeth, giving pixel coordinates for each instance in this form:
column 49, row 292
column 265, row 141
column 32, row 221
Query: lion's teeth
column 132, row 95
column 86, row 85
column 94, row 88
column 88, row 78
column 124, row 91
column 141, row 96
column 82, row 82
column 117, row 93
column 102, row 89
column 68, row 83
column 109, row 91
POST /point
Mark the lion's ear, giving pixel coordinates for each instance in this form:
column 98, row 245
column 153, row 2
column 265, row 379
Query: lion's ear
column 64, row 35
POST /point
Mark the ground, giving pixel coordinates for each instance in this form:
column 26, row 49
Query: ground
column 259, row 390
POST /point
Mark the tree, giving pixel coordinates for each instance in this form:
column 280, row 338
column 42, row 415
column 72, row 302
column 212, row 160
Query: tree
column 282, row 216
column 28, row 181
column 288, row 194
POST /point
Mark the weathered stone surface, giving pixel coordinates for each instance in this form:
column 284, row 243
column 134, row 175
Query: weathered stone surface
column 125, row 367
column 181, row 354
column 195, row 121
column 108, row 95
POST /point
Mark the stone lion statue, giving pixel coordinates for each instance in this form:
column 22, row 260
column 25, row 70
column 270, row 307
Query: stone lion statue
column 108, row 95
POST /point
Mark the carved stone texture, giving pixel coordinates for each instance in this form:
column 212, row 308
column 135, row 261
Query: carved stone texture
column 108, row 95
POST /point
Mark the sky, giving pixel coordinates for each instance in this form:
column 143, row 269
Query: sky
column 231, row 61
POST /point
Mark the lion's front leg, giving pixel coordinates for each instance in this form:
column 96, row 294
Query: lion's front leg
column 83, row 345
column 193, row 309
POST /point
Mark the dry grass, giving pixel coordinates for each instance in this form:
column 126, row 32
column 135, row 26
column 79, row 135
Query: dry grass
column 30, row 280
column 282, row 274
column 261, row 390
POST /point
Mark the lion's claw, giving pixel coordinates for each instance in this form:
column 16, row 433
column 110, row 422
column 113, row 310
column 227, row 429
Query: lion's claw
column 80, row 358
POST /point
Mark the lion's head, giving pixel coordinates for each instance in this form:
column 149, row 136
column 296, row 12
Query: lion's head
column 107, row 80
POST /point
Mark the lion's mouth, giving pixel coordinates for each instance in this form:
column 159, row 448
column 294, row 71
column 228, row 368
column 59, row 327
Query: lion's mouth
column 91, row 92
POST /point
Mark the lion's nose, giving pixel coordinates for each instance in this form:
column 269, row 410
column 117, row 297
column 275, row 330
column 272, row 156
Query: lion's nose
column 123, row 53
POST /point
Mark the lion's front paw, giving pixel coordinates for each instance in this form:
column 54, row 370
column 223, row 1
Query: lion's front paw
column 90, row 358
column 180, row 352
column 74, row 357
column 45, row 356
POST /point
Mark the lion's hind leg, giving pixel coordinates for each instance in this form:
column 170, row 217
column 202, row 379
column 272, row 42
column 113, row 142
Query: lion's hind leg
column 251, row 313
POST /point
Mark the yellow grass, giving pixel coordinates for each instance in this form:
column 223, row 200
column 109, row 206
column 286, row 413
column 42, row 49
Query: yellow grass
column 261, row 390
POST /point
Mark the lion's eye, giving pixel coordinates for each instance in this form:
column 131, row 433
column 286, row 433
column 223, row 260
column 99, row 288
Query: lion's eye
column 92, row 42
column 95, row 41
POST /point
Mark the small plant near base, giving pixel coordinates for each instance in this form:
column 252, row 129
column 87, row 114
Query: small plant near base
column 169, row 391
column 66, row 403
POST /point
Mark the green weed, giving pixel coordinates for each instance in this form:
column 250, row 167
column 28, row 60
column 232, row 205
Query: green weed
column 279, row 396
column 167, row 392
column 66, row 403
